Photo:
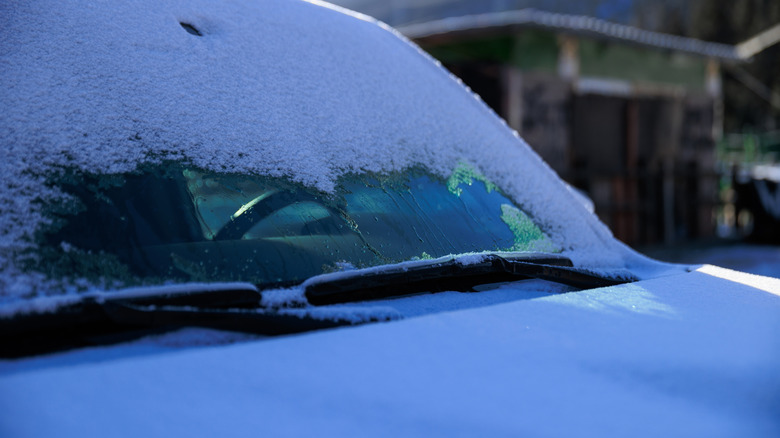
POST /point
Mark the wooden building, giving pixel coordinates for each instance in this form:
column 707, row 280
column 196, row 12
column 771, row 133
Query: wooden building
column 629, row 116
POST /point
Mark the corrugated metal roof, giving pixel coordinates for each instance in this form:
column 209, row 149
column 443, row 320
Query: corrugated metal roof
column 572, row 24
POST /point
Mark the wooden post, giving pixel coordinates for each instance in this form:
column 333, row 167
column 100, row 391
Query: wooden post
column 513, row 97
column 714, row 86
column 671, row 149
column 568, row 58
column 630, row 178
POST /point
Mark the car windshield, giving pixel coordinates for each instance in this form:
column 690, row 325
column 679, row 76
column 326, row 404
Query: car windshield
column 171, row 221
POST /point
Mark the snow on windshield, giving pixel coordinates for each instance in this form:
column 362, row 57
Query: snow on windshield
column 275, row 87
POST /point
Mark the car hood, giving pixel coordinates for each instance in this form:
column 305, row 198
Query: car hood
column 693, row 354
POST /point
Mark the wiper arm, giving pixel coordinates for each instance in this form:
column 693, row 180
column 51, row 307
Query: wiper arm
column 453, row 274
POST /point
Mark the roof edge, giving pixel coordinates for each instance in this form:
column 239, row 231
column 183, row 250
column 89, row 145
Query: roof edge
column 572, row 24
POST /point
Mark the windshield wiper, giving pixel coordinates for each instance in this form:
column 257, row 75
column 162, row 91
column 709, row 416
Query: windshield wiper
column 105, row 318
column 454, row 274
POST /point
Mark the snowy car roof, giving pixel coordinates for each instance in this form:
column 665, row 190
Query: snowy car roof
column 276, row 87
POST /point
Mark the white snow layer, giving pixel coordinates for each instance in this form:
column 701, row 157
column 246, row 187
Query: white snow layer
column 690, row 355
column 277, row 87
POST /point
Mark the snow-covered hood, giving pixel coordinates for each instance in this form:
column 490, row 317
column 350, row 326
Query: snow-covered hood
column 693, row 354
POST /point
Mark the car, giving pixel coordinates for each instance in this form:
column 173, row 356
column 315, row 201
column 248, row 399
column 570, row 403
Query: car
column 282, row 217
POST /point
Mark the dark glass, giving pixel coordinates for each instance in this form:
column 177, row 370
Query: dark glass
column 173, row 222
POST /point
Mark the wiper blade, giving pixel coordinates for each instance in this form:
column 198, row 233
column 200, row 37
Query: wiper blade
column 106, row 318
column 454, row 274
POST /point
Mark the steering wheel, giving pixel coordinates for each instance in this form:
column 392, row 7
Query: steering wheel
column 258, row 209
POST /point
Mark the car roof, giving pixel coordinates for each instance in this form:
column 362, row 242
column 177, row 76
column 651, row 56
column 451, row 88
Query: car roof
column 286, row 88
